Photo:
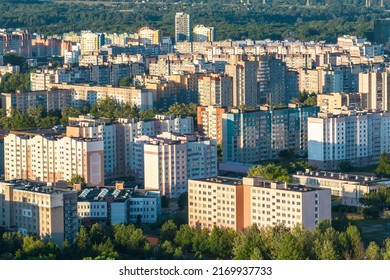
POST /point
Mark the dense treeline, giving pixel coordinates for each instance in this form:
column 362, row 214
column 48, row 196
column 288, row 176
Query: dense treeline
column 107, row 108
column 231, row 19
column 129, row 242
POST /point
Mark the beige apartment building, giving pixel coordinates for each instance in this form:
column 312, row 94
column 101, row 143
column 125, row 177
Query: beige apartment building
column 210, row 121
column 82, row 94
column 50, row 100
column 237, row 204
column 147, row 35
column 53, row 158
column 215, row 89
column 50, row 211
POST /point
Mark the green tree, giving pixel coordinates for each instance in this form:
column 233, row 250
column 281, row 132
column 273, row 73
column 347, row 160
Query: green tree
column 97, row 234
column 373, row 252
column 68, row 112
column 221, row 242
column 82, row 243
column 248, row 244
column 126, row 82
column 270, row 171
column 386, row 249
column 383, row 168
column 200, row 243
column 77, row 179
column 184, row 237
column 168, row 231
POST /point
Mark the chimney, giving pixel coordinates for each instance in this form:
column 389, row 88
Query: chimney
column 77, row 187
column 119, row 185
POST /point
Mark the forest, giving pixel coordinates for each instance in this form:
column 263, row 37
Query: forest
column 323, row 20
column 183, row 242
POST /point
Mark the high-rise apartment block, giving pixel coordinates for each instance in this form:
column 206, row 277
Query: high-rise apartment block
column 182, row 27
column 170, row 159
column 118, row 138
column 53, row 158
column 210, row 121
column 276, row 84
column 244, row 75
column 147, row 35
column 202, row 33
column 48, row 210
column 357, row 137
column 253, row 136
column 375, row 85
column 18, row 41
column 237, row 204
column 91, row 42
column 215, row 89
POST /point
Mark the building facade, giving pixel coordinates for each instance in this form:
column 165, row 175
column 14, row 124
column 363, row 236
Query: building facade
column 253, row 136
column 357, row 137
column 237, row 204
column 53, row 158
column 182, row 27
column 46, row 210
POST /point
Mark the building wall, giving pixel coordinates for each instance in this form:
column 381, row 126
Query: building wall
column 356, row 137
column 237, row 204
column 53, row 159
column 51, row 215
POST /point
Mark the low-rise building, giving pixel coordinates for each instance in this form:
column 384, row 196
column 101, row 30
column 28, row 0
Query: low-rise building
column 115, row 205
column 240, row 203
column 349, row 187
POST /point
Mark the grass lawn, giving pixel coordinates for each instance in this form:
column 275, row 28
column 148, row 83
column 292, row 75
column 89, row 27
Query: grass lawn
column 373, row 230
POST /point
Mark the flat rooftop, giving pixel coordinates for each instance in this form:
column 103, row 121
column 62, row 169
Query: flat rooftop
column 357, row 178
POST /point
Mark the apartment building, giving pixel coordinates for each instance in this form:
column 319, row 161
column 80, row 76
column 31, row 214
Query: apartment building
column 115, row 204
column 48, row 210
column 357, row 137
column 202, row 33
column 337, row 100
column 43, row 79
column 276, row 84
column 50, row 100
column 240, row 203
column 147, row 35
column 17, row 41
column 349, row 187
column 253, row 136
column 82, row 94
column 182, row 27
column 170, row 159
column 118, row 137
column 91, row 42
column 215, row 89
column 244, row 75
column 376, row 86
column 209, row 120
column 49, row 158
